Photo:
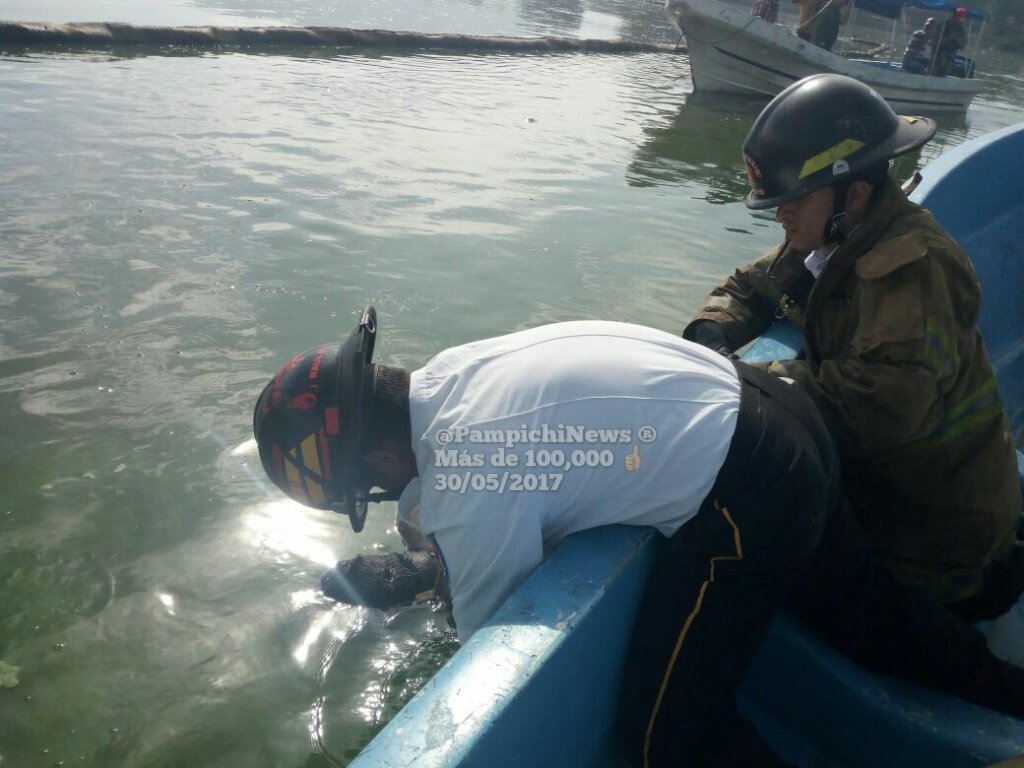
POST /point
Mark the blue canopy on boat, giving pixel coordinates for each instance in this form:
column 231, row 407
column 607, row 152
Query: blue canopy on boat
column 892, row 8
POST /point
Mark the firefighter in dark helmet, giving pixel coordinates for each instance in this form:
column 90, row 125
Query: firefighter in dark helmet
column 887, row 303
column 741, row 478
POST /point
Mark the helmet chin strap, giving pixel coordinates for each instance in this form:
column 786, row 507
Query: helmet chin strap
column 834, row 227
column 375, row 497
column 384, row 496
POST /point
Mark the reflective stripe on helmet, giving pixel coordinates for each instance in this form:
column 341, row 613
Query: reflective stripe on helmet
column 331, row 421
column 839, row 151
column 310, row 454
column 303, row 473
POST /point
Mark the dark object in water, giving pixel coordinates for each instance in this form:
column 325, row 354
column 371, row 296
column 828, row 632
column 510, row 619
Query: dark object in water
column 382, row 581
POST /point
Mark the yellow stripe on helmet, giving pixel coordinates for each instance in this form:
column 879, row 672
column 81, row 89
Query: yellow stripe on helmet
column 310, row 454
column 311, row 458
column 304, row 473
column 843, row 149
column 296, row 488
column 316, row 492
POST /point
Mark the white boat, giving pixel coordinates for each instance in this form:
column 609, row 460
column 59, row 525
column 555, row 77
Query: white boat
column 731, row 50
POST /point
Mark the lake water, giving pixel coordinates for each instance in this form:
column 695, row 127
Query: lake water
column 174, row 226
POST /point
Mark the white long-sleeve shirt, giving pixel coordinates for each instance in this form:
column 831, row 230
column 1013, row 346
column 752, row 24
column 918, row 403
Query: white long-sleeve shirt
column 607, row 423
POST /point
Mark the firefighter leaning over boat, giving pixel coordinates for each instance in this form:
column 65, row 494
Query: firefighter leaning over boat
column 733, row 466
column 888, row 306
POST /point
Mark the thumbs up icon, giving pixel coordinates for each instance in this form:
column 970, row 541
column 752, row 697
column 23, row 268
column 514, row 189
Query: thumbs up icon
column 633, row 459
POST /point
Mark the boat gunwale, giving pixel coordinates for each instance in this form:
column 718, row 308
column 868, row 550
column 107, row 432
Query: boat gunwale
column 779, row 46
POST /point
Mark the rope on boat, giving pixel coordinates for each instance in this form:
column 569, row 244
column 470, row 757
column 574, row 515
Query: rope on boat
column 111, row 35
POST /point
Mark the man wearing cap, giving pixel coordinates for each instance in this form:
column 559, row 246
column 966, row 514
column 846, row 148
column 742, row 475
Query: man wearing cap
column 952, row 38
column 508, row 445
column 888, row 306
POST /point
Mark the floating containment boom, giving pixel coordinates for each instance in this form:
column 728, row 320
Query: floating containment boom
column 110, row 35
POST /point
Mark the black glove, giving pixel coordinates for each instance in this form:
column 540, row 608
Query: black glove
column 382, row 581
column 710, row 334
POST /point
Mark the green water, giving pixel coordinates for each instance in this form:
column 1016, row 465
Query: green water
column 174, row 227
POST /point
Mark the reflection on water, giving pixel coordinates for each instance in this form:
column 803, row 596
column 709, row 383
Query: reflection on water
column 603, row 19
column 554, row 14
column 174, row 227
column 701, row 144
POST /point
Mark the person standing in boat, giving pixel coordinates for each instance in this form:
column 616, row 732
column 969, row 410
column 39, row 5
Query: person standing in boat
column 931, row 31
column 888, row 305
column 808, row 17
column 819, row 20
column 826, row 28
column 952, row 38
column 732, row 465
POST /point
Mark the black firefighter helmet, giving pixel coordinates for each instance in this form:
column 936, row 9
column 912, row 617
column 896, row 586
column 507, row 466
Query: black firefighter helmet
column 820, row 131
column 311, row 418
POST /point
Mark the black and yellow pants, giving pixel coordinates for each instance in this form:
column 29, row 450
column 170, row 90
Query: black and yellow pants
column 720, row 579
column 774, row 529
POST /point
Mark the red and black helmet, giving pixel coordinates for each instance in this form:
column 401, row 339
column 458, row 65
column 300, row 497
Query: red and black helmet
column 310, row 421
column 821, row 131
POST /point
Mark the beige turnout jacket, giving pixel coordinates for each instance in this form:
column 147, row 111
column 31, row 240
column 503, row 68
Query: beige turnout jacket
column 895, row 362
